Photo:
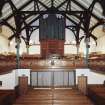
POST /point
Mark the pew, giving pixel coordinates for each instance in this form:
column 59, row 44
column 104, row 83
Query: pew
column 7, row 97
column 97, row 94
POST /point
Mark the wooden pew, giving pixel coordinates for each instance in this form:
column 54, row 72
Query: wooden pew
column 7, row 97
column 97, row 94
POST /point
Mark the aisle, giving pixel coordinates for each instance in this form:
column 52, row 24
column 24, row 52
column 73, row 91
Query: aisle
column 53, row 97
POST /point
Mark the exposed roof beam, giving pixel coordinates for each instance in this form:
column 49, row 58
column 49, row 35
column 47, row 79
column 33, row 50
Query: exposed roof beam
column 73, row 21
column 42, row 4
column 22, row 7
column 81, row 6
column 52, row 3
column 12, row 5
column 61, row 4
column 7, row 24
column 97, row 24
column 68, row 5
column 51, row 12
column 11, row 37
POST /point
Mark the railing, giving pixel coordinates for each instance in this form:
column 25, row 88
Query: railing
column 9, row 63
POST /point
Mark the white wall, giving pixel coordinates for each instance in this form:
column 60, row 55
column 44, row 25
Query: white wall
column 69, row 38
column 8, row 80
column 16, row 77
column 35, row 49
column 70, row 49
column 93, row 78
column 101, row 39
column 3, row 44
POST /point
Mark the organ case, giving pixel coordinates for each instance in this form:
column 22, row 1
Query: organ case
column 52, row 35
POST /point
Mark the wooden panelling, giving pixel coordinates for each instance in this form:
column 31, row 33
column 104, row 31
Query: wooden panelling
column 8, row 62
column 52, row 47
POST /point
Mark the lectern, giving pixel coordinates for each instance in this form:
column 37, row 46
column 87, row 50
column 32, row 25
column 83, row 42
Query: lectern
column 23, row 85
column 82, row 84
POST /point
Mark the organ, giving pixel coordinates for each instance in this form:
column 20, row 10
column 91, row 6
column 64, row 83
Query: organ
column 52, row 35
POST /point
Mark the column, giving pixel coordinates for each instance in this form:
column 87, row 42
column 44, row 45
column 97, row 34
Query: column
column 87, row 51
column 18, row 41
column 77, row 50
column 27, row 47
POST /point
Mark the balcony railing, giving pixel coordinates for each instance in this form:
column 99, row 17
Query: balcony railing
column 8, row 63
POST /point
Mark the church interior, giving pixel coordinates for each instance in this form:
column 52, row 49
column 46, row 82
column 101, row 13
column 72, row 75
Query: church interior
column 52, row 52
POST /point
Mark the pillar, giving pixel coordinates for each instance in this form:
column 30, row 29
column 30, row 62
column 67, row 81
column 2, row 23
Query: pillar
column 27, row 47
column 18, row 41
column 87, row 51
column 77, row 50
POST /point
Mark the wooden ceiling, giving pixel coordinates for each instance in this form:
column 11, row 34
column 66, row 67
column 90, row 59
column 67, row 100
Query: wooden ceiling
column 20, row 15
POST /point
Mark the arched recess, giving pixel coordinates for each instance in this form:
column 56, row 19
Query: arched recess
column 98, row 31
column 34, row 43
column 70, row 43
column 13, row 46
column 4, row 42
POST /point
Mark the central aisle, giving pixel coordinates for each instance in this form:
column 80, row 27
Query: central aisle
column 53, row 97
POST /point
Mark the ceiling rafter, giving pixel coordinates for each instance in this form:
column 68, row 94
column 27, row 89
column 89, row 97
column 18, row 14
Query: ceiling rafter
column 52, row 3
column 42, row 4
column 45, row 12
column 46, row 9
column 12, row 5
column 19, row 9
column 68, row 7
column 36, row 6
column 8, row 25
column 60, row 5
column 12, row 36
column 51, row 12
column 73, row 21
column 92, row 5
column 86, row 19
column 27, row 39
column 101, row 22
column 77, row 3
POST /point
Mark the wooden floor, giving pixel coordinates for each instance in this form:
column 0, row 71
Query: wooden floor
column 53, row 97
